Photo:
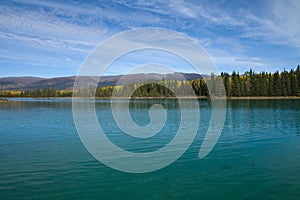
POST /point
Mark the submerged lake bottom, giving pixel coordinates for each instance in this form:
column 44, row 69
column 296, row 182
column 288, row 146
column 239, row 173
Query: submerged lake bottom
column 256, row 157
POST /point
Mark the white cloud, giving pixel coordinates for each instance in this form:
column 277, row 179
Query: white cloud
column 279, row 25
column 39, row 23
column 73, row 29
column 49, row 42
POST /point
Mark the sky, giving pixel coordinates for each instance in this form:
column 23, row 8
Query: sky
column 53, row 38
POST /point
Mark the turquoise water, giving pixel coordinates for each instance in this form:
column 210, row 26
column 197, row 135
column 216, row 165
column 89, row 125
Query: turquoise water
column 256, row 157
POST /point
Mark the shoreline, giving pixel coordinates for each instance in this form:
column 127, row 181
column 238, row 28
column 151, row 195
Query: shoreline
column 2, row 100
column 267, row 98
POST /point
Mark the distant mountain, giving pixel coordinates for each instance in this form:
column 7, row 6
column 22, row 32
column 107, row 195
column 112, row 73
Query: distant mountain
column 66, row 83
column 8, row 83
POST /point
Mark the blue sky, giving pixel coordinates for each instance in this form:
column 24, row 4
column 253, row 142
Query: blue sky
column 52, row 38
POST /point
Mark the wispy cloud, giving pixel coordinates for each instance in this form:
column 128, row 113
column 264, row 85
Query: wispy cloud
column 277, row 25
column 235, row 34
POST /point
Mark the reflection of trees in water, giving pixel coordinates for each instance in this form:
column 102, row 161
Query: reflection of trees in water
column 262, row 115
column 34, row 103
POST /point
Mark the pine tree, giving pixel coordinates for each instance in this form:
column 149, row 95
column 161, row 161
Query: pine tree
column 298, row 75
column 270, row 84
column 226, row 81
column 235, row 86
column 277, row 84
column 294, row 85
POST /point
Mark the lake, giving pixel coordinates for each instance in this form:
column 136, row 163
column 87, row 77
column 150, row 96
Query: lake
column 256, row 157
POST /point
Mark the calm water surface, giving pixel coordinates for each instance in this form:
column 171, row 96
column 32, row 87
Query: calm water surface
column 256, row 157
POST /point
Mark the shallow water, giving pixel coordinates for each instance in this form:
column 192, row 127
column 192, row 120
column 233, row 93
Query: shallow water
column 257, row 155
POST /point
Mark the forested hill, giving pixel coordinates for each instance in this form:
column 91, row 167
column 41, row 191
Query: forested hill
column 285, row 83
column 66, row 83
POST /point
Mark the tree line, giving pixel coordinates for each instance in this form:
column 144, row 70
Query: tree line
column 38, row 93
column 249, row 84
column 286, row 83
